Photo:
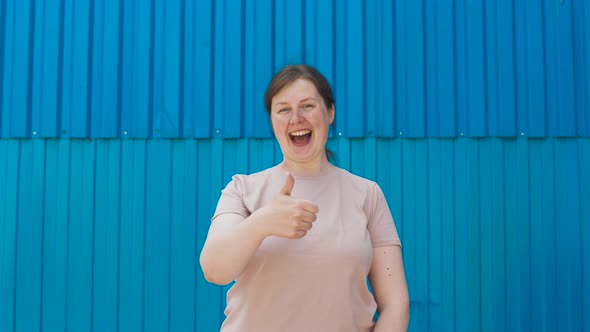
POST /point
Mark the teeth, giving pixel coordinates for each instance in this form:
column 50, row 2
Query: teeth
column 301, row 132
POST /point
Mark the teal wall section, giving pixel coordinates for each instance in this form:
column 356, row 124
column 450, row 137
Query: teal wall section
column 105, row 234
column 120, row 122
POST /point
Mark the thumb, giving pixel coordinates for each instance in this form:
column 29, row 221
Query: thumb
column 289, row 183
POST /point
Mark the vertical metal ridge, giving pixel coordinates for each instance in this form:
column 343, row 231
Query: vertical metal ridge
column 2, row 50
column 30, row 68
column 89, row 70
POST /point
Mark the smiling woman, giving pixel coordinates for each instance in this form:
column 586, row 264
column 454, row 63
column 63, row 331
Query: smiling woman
column 301, row 238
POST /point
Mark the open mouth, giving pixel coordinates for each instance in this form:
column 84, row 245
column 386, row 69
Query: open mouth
column 300, row 137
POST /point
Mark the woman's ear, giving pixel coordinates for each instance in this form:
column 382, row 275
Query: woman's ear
column 331, row 112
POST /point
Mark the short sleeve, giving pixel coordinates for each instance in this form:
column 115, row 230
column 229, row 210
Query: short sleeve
column 231, row 200
column 381, row 225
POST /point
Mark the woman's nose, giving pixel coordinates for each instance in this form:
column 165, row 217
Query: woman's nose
column 296, row 116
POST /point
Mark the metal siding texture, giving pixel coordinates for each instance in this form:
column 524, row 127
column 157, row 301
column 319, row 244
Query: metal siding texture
column 102, row 234
column 180, row 69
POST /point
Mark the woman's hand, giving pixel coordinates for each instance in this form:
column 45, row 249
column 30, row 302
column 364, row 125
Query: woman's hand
column 286, row 216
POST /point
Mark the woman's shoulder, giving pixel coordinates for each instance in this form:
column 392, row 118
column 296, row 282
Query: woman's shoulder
column 355, row 179
column 253, row 180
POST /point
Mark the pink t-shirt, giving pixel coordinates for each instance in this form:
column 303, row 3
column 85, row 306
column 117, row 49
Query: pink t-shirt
column 319, row 282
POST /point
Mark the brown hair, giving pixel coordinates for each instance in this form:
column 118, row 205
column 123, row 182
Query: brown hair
column 291, row 73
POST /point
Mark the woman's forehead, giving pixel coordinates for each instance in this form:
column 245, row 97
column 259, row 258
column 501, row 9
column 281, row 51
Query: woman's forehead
column 296, row 91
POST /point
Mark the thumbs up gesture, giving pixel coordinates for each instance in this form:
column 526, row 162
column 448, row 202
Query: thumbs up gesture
column 286, row 216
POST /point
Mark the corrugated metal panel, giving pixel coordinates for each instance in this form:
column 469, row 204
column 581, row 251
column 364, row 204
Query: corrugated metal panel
column 199, row 69
column 106, row 233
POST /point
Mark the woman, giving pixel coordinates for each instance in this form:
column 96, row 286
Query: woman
column 300, row 238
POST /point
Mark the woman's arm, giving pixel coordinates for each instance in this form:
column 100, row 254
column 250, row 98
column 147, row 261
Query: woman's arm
column 233, row 239
column 231, row 242
column 388, row 282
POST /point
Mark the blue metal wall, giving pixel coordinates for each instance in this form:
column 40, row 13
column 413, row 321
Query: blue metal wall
column 106, row 233
column 120, row 122
column 182, row 68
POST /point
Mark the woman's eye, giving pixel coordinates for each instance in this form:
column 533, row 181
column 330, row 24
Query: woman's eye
column 308, row 106
column 283, row 110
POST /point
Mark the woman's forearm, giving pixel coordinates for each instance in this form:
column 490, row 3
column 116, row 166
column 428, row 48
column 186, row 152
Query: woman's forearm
column 393, row 319
column 224, row 256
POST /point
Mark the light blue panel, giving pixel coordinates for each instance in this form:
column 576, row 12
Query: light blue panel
column 157, row 236
column 421, row 236
column 136, row 71
column 183, row 236
column 448, row 250
column 434, row 242
column 55, row 236
column 567, row 235
column 543, row 245
column 491, row 229
column 29, row 236
column 106, row 235
column 208, row 296
column 409, row 230
column 463, row 318
column 493, row 267
column 9, row 183
column 474, row 235
column 80, row 246
column 105, row 26
column 132, row 235
column 584, row 164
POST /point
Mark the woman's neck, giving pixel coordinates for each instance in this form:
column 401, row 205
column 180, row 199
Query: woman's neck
column 313, row 168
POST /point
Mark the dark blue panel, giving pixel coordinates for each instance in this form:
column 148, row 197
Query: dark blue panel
column 45, row 69
column 232, row 74
column 18, row 45
column 104, row 58
column 76, row 67
column 415, row 74
column 475, row 74
column 535, row 67
column 292, row 39
column 502, row 118
column 172, row 72
column 257, row 49
column 55, row 236
column 384, row 121
column 445, row 92
column 581, row 31
column 135, row 83
column 106, row 236
column 566, row 124
column 353, row 103
column 401, row 72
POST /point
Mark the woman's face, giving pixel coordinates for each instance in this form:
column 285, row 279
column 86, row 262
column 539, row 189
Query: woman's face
column 300, row 121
